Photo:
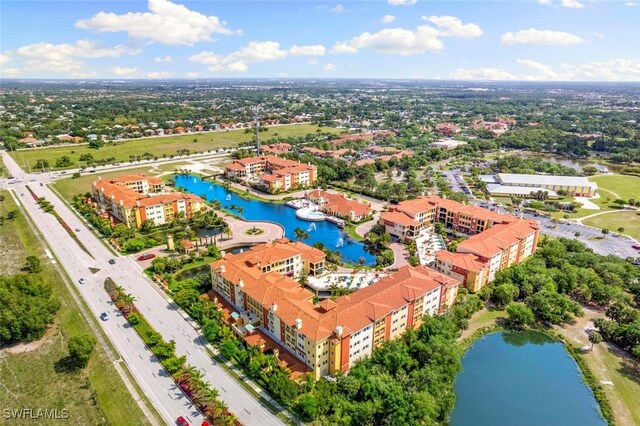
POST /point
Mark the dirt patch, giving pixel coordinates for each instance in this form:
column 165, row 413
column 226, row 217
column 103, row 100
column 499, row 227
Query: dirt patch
column 19, row 348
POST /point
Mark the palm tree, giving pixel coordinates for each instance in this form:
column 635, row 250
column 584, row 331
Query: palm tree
column 128, row 300
column 227, row 231
column 301, row 234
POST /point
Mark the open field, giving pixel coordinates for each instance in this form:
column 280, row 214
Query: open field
column 481, row 319
column 624, row 186
column 160, row 146
column 628, row 219
column 33, row 379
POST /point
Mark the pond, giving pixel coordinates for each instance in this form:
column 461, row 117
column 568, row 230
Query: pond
column 325, row 232
column 522, row 378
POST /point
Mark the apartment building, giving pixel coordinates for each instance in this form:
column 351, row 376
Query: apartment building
column 132, row 199
column 496, row 241
column 331, row 335
column 275, row 174
column 338, row 205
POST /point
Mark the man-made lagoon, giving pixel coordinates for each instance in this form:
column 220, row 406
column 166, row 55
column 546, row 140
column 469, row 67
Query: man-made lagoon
column 325, row 232
column 522, row 378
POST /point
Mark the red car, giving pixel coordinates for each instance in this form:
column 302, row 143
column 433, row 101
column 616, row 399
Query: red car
column 146, row 256
column 206, row 423
column 181, row 421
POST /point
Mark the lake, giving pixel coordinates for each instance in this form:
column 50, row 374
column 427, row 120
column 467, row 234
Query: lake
column 325, row 232
column 522, row 378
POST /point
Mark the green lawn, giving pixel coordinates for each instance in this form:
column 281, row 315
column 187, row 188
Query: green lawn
column 481, row 319
column 166, row 146
column 628, row 219
column 624, row 186
column 94, row 396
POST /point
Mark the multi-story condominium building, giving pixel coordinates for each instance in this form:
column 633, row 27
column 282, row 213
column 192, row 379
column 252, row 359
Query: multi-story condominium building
column 331, row 335
column 132, row 199
column 496, row 241
column 274, row 173
column 339, row 206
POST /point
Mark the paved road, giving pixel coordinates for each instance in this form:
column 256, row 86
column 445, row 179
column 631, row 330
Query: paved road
column 161, row 313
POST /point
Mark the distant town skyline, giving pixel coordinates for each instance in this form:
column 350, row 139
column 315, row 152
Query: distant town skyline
column 544, row 40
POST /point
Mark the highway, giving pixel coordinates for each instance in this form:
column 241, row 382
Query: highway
column 160, row 312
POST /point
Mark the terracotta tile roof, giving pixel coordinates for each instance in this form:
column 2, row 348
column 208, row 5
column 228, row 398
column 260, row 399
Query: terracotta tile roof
column 499, row 237
column 466, row 261
column 130, row 198
column 398, row 217
column 234, row 166
column 135, row 178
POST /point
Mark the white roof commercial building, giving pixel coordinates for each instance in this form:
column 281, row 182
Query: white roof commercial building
column 522, row 185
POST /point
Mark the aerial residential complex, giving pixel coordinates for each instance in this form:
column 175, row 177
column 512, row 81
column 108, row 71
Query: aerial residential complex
column 132, row 199
column 330, row 336
column 496, row 241
column 507, row 184
column 275, row 174
column 338, row 205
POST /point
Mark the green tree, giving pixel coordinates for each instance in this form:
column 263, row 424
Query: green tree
column 504, row 294
column 81, row 348
column 301, row 234
column 42, row 164
column 33, row 265
column 549, row 306
column 604, row 231
column 520, row 316
column 595, row 338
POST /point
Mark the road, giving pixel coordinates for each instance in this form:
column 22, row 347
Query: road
column 161, row 313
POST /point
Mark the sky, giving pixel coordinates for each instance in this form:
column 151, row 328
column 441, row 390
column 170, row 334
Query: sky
column 535, row 40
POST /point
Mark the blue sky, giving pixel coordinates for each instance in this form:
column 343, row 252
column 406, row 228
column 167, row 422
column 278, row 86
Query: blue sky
column 506, row 40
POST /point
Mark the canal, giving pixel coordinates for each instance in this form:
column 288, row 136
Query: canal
column 325, row 232
column 522, row 378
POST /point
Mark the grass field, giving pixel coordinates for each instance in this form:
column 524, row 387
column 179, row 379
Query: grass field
column 628, row 219
column 624, row 186
column 161, row 146
column 94, row 396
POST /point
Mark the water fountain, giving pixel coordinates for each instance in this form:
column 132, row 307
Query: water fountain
column 228, row 197
column 210, row 187
column 312, row 227
column 195, row 180
column 340, row 242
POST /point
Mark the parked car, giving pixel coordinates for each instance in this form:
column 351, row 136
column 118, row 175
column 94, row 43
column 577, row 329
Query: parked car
column 104, row 316
column 112, row 261
column 77, row 229
column 146, row 256
column 637, row 247
column 82, row 281
column 181, row 421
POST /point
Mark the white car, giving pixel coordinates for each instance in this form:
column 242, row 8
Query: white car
column 82, row 281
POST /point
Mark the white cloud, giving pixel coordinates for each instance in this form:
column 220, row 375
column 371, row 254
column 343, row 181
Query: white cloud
column 311, row 50
column 65, row 57
column 10, row 72
column 166, row 22
column 453, row 27
column 545, row 72
column 401, row 2
column 387, row 19
column 137, row 73
column 193, row 74
column 4, row 58
column 312, row 61
column 163, row 59
column 403, row 41
column 572, row 4
column 338, row 9
column 255, row 51
column 545, row 2
column 540, row 37
column 481, row 74
column 84, row 74
column 608, row 70
column 329, row 67
column 631, row 4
